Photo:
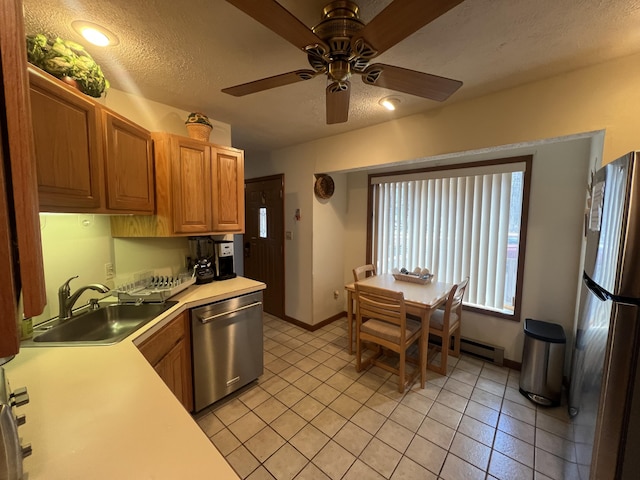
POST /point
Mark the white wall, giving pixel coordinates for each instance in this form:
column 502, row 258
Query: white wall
column 73, row 245
column 329, row 217
column 598, row 98
column 81, row 245
column 158, row 117
column 298, row 252
column 554, row 246
column 355, row 234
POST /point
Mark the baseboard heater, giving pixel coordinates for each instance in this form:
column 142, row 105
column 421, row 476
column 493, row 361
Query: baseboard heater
column 490, row 353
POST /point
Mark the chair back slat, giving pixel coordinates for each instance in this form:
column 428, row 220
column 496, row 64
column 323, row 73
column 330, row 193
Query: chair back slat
column 445, row 323
column 382, row 304
column 363, row 271
column 459, row 295
column 381, row 323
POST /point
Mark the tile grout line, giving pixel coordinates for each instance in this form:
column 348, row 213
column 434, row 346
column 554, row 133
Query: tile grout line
column 329, row 338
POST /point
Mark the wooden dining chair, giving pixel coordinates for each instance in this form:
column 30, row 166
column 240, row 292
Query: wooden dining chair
column 445, row 323
column 381, row 320
column 363, row 271
column 359, row 273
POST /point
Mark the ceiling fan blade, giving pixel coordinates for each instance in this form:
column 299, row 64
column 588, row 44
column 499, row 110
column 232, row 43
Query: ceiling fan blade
column 338, row 94
column 400, row 19
column 278, row 19
column 410, row 81
column 270, row 82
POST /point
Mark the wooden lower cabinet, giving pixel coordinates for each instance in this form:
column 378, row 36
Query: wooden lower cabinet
column 169, row 352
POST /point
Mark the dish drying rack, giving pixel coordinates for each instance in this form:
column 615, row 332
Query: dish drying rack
column 154, row 288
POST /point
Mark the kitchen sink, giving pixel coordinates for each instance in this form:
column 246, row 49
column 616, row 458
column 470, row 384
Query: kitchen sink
column 104, row 326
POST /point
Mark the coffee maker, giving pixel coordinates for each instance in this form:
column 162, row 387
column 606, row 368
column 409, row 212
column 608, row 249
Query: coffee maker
column 202, row 257
column 224, row 259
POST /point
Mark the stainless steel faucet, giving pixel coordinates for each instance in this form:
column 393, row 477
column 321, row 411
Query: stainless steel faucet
column 66, row 300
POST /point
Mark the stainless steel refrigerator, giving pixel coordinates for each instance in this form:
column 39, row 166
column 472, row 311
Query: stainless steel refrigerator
column 604, row 395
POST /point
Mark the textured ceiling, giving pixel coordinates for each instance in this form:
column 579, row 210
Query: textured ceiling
column 183, row 53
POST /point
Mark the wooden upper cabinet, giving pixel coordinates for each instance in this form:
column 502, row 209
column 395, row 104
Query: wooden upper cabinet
column 128, row 165
column 191, row 186
column 228, row 189
column 199, row 191
column 68, row 147
column 88, row 158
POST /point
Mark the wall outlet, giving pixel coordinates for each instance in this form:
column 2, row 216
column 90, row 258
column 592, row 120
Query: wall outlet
column 108, row 271
column 336, row 294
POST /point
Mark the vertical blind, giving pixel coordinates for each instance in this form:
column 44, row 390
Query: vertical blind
column 454, row 225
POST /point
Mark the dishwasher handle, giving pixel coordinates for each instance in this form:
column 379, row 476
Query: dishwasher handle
column 229, row 312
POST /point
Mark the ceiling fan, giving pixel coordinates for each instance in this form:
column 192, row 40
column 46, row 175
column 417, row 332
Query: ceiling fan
column 342, row 45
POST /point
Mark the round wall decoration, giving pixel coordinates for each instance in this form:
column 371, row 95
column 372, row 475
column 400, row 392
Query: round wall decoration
column 324, row 186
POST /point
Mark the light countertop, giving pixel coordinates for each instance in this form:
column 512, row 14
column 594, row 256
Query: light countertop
column 102, row 412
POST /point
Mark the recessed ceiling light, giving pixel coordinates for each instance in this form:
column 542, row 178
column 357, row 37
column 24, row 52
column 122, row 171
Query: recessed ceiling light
column 390, row 103
column 95, row 34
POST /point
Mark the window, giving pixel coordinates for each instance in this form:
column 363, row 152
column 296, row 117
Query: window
column 262, row 220
column 459, row 221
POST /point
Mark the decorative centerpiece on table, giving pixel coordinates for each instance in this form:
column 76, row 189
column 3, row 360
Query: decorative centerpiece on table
column 419, row 275
column 68, row 61
column 198, row 126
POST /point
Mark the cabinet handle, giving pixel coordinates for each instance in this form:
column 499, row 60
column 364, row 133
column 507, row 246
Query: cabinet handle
column 224, row 314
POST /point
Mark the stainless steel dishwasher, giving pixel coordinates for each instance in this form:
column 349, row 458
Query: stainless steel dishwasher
column 227, row 345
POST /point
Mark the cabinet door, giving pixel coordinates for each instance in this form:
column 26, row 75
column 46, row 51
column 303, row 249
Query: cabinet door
column 191, row 186
column 171, row 370
column 67, row 143
column 128, row 165
column 20, row 248
column 228, row 190
column 169, row 352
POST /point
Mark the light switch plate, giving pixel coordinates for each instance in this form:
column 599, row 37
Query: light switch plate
column 108, row 271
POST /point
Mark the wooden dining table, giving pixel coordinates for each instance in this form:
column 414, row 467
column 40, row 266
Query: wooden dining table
column 420, row 300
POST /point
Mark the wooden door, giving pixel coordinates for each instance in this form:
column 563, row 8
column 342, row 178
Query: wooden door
column 128, row 165
column 67, row 144
column 21, row 267
column 264, row 239
column 191, row 186
column 228, row 189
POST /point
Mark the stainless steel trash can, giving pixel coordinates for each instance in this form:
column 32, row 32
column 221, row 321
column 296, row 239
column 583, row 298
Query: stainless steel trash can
column 542, row 362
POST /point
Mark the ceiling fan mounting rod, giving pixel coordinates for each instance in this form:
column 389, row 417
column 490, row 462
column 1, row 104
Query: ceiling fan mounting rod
column 340, row 22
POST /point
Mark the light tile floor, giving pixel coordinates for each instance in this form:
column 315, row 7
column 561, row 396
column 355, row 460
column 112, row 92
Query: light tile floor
column 312, row 416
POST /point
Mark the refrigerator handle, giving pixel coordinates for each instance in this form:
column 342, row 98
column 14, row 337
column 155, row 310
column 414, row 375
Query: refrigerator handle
column 597, row 290
column 603, row 295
